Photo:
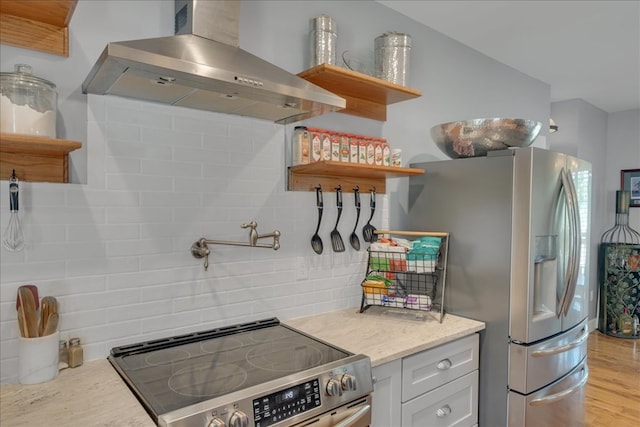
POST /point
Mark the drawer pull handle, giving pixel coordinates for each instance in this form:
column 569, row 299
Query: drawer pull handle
column 443, row 412
column 443, row 365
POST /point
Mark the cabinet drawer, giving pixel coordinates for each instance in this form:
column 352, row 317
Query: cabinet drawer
column 453, row 404
column 431, row 368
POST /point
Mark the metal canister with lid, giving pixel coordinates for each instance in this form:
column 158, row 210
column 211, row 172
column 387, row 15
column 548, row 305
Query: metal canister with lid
column 392, row 57
column 323, row 35
column 28, row 103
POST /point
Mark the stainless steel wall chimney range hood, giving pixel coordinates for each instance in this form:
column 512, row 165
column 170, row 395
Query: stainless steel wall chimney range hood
column 202, row 67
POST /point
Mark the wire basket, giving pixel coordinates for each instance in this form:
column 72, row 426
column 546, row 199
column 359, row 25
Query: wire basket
column 406, row 280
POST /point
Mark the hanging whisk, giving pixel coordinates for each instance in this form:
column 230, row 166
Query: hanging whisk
column 621, row 232
column 13, row 238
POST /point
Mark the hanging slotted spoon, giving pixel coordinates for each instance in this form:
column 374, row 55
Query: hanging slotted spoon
column 316, row 241
column 336, row 238
column 368, row 229
column 353, row 239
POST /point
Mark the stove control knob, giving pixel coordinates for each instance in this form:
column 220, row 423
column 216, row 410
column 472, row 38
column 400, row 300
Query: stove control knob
column 216, row 422
column 348, row 382
column 334, row 388
column 238, row 419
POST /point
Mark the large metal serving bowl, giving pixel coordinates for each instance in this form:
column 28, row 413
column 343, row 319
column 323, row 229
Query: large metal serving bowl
column 474, row 138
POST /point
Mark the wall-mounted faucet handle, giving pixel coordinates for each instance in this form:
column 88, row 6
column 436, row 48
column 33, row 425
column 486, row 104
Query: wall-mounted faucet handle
column 276, row 240
column 252, row 224
column 253, row 233
column 200, row 249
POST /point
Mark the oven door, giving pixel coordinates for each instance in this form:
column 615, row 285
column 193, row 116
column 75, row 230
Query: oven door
column 354, row 414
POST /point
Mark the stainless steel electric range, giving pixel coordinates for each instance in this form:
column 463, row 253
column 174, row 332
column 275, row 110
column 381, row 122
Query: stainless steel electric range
column 258, row 374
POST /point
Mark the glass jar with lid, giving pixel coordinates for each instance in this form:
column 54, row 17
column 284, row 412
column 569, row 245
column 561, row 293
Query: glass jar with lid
column 28, row 103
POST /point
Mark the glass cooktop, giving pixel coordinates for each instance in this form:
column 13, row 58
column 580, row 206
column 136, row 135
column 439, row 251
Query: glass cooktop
column 180, row 371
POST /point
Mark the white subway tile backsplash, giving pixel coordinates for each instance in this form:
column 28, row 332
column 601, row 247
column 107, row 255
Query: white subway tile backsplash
column 179, row 199
column 101, row 266
column 63, row 251
column 169, row 321
column 172, row 168
column 173, row 290
column 173, row 138
column 206, row 158
column 228, row 144
column 55, row 195
column 116, row 251
column 141, row 215
column 141, row 279
column 83, row 319
column 138, row 247
column 136, row 311
column 195, row 124
column 67, row 215
column 118, row 165
column 120, row 132
column 100, row 198
column 96, row 301
column 43, row 233
column 131, row 149
column 27, row 272
column 101, row 232
column 137, row 116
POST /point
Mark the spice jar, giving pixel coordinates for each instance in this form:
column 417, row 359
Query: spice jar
column 75, row 353
column 301, row 146
column 63, row 355
column 29, row 103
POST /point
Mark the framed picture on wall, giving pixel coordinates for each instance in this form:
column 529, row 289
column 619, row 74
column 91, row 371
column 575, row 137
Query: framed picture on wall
column 630, row 181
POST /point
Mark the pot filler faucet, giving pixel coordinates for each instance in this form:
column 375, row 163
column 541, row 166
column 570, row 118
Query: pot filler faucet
column 200, row 248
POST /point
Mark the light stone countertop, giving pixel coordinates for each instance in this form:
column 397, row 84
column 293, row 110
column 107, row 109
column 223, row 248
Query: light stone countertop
column 95, row 395
column 92, row 394
column 384, row 337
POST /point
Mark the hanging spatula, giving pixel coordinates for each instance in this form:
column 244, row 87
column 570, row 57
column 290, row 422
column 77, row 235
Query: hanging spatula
column 368, row 229
column 316, row 241
column 336, row 238
column 353, row 239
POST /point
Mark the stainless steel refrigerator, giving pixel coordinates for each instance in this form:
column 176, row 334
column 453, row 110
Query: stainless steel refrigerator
column 520, row 223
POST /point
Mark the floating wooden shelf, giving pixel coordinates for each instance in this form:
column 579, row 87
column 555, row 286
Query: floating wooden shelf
column 41, row 25
column 366, row 96
column 36, row 159
column 330, row 174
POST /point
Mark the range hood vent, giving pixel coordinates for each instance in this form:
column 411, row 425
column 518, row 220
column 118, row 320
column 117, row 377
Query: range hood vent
column 202, row 67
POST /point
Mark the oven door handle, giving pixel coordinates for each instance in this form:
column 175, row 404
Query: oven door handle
column 351, row 419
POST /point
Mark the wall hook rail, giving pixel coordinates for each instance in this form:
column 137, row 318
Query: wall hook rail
column 200, row 248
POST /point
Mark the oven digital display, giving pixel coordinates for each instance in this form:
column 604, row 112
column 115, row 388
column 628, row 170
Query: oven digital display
column 286, row 403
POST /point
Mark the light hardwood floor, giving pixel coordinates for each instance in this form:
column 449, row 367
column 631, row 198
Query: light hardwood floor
column 613, row 389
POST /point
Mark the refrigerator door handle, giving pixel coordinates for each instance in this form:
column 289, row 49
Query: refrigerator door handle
column 564, row 393
column 575, row 244
column 568, row 198
column 561, row 349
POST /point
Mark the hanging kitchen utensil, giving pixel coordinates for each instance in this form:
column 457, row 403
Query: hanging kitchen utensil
column 336, row 238
column 368, row 229
column 353, row 239
column 316, row 241
column 13, row 238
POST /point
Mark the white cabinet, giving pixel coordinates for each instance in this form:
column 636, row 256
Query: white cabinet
column 453, row 404
column 436, row 387
column 386, row 392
